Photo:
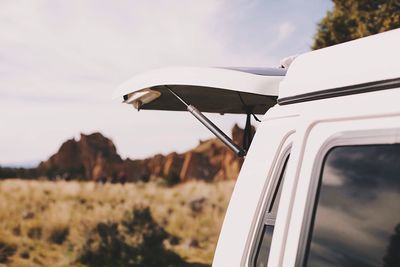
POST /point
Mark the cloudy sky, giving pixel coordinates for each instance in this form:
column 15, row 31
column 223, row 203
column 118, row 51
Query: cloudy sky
column 61, row 60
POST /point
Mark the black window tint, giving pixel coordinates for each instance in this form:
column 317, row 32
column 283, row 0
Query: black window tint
column 357, row 216
column 277, row 196
column 265, row 246
column 262, row 254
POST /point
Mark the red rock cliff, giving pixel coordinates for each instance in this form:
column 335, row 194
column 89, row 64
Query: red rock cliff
column 94, row 157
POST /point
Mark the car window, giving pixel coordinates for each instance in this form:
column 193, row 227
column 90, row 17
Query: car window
column 357, row 214
column 264, row 243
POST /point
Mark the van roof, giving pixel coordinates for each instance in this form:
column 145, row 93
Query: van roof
column 366, row 64
column 360, row 63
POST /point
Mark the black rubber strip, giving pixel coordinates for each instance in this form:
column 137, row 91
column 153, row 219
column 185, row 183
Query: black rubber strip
column 342, row 91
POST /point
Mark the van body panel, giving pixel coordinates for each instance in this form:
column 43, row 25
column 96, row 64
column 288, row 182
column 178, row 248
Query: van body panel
column 357, row 114
column 371, row 115
column 243, row 209
column 269, row 202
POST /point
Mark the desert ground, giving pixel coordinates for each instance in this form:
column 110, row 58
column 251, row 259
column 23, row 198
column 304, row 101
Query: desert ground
column 61, row 223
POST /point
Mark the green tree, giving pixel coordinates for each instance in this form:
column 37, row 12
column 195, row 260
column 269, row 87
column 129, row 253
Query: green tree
column 352, row 19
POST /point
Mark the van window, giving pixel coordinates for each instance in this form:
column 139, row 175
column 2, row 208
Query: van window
column 264, row 243
column 357, row 213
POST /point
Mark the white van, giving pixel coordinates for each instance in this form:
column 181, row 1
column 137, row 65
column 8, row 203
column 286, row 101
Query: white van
column 320, row 185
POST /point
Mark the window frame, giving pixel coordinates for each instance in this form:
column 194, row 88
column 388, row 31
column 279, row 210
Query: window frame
column 277, row 181
column 345, row 138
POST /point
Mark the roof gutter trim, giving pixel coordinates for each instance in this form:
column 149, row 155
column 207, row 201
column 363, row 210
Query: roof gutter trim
column 341, row 91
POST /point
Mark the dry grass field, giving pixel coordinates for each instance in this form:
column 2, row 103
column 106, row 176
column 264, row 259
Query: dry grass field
column 69, row 223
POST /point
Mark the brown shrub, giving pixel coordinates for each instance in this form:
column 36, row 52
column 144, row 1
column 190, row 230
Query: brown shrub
column 35, row 232
column 6, row 251
column 58, row 235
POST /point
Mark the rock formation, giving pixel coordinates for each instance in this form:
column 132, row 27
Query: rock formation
column 94, row 157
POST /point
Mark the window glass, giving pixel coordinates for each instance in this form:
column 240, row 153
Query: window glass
column 277, row 195
column 261, row 258
column 265, row 246
column 357, row 217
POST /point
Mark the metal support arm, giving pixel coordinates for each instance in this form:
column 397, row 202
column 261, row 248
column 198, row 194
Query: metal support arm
column 211, row 126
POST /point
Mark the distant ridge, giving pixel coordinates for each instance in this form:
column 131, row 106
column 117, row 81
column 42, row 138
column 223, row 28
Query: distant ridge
column 22, row 164
column 94, row 157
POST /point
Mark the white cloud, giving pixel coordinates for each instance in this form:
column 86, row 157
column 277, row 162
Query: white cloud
column 285, row 30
